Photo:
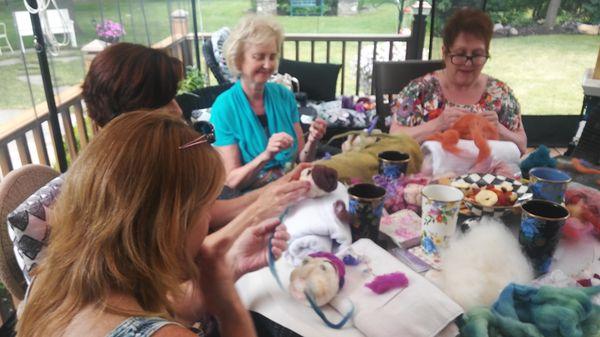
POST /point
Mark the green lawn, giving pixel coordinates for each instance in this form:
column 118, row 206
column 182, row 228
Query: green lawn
column 544, row 71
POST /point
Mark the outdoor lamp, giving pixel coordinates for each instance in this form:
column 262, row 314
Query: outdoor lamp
column 426, row 8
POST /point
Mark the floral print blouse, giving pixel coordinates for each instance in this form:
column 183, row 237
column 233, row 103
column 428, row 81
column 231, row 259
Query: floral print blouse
column 422, row 100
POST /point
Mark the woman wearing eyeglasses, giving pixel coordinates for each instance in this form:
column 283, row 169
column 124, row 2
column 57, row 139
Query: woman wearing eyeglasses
column 433, row 103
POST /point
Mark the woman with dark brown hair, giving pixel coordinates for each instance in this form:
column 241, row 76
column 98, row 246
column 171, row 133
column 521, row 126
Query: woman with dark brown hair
column 126, row 77
column 433, row 103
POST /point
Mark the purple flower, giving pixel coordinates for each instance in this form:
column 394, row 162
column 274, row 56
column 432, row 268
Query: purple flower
column 109, row 30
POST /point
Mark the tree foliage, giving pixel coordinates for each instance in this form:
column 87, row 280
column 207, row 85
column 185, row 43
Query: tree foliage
column 523, row 12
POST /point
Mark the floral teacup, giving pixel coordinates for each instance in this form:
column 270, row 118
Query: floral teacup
column 440, row 213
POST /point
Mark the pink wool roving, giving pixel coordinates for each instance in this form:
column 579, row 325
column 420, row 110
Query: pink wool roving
column 383, row 283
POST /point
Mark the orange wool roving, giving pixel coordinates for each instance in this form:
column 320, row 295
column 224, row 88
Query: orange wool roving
column 472, row 127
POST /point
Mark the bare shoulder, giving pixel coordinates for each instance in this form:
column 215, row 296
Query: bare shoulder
column 173, row 330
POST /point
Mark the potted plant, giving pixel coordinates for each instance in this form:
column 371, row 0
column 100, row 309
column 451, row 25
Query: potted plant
column 109, row 31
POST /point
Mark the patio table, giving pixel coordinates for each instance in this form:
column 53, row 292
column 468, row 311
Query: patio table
column 277, row 314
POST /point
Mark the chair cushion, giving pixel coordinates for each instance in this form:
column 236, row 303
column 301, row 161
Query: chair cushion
column 213, row 65
column 217, row 40
column 317, row 80
column 28, row 225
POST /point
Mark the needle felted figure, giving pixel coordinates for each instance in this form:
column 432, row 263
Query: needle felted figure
column 321, row 275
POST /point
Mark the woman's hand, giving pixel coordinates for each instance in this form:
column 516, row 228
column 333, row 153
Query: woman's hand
column 317, row 130
column 491, row 116
column 216, row 281
column 448, row 117
column 277, row 196
column 249, row 251
column 218, row 290
column 277, row 143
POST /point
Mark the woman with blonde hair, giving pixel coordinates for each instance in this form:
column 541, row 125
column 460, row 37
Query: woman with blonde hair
column 128, row 229
column 257, row 125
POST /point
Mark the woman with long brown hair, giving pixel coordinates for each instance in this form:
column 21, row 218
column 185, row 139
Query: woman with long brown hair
column 127, row 77
column 127, row 230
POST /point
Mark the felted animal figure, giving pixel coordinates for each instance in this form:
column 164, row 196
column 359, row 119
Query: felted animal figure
column 323, row 180
column 472, row 127
column 321, row 276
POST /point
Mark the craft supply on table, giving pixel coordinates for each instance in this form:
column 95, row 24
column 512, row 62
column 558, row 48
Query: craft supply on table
column 432, row 260
column 402, row 193
column 478, row 264
column 437, row 162
column 583, row 204
column 538, row 158
column 419, row 310
column 403, row 227
column 410, row 260
column 318, row 224
column 317, row 281
column 526, row 311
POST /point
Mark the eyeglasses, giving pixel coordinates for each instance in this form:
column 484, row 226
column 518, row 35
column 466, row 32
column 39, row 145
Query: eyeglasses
column 477, row 60
column 208, row 134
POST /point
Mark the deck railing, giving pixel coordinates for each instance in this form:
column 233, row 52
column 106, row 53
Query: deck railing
column 27, row 138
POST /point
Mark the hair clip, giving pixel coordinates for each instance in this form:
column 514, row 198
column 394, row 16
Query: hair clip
column 208, row 134
column 200, row 140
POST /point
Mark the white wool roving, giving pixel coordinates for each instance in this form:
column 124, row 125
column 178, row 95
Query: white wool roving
column 479, row 264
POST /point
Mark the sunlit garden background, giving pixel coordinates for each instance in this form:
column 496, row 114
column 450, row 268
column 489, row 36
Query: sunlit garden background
column 545, row 71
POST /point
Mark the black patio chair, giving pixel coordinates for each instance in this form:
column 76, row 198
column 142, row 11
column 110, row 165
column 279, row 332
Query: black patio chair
column 389, row 78
column 588, row 147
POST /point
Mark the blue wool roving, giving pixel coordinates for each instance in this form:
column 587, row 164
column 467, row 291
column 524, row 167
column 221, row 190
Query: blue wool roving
column 532, row 312
column 538, row 158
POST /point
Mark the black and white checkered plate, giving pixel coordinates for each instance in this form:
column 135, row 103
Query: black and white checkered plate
column 481, row 181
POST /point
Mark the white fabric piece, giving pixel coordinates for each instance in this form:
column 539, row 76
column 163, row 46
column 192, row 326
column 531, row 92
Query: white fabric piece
column 438, row 162
column 313, row 226
column 420, row 310
column 302, row 246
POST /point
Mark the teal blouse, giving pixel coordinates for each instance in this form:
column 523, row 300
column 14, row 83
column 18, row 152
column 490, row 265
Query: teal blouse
column 236, row 123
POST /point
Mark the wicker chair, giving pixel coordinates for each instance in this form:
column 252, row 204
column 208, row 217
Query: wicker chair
column 15, row 187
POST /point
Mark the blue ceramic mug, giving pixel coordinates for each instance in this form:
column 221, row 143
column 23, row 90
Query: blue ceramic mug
column 393, row 164
column 548, row 183
column 365, row 208
column 541, row 223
